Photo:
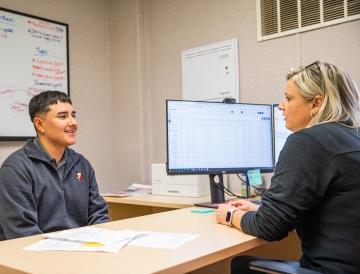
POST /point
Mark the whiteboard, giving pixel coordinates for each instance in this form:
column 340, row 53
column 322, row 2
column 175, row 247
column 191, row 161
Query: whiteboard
column 34, row 58
column 211, row 72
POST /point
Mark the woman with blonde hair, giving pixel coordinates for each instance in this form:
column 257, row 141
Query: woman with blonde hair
column 316, row 185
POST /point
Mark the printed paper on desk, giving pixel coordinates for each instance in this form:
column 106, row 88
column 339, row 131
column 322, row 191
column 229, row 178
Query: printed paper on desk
column 90, row 239
column 136, row 186
column 86, row 239
column 92, row 234
column 64, row 245
column 134, row 189
column 162, row 239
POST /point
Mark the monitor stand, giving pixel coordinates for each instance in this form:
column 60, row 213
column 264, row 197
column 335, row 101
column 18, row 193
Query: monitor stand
column 216, row 191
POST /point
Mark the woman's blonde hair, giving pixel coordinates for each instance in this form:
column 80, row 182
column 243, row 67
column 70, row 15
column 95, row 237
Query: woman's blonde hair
column 340, row 93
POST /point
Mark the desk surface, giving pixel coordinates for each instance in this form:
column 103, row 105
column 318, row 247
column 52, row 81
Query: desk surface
column 159, row 200
column 216, row 242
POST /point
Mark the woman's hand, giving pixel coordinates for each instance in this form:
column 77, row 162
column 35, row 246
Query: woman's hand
column 221, row 212
column 244, row 205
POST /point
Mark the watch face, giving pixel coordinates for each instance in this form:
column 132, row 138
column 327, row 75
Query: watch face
column 228, row 216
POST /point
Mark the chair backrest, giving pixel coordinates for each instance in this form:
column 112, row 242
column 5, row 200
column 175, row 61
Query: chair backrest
column 280, row 267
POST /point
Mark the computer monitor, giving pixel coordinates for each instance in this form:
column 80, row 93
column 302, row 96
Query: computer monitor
column 218, row 138
column 280, row 131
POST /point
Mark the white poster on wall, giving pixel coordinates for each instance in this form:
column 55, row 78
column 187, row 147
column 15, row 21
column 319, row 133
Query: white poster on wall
column 211, row 72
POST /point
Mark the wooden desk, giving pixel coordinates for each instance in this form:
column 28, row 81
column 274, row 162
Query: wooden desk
column 128, row 207
column 121, row 208
column 215, row 243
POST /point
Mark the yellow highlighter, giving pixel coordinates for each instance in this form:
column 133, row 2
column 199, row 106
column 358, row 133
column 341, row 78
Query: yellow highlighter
column 92, row 244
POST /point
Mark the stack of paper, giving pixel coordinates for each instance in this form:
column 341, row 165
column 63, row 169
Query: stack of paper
column 133, row 190
column 105, row 240
column 85, row 239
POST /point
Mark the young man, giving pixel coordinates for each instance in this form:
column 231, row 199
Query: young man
column 46, row 186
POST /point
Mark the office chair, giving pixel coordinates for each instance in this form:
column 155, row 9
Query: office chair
column 280, row 267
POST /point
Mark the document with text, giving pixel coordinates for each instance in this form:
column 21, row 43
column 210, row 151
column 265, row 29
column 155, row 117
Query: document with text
column 90, row 239
column 85, row 239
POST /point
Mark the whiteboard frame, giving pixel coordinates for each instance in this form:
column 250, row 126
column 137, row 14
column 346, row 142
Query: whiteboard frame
column 16, row 137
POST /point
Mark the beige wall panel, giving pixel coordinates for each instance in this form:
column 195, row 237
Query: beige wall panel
column 126, row 50
column 339, row 44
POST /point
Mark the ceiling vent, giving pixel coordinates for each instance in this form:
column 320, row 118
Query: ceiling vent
column 276, row 18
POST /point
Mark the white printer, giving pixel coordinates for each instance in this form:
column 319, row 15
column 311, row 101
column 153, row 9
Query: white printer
column 178, row 185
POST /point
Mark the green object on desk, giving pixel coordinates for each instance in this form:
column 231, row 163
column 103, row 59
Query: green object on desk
column 203, row 210
column 254, row 177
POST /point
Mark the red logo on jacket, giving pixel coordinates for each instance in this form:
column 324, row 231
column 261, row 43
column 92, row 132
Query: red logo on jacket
column 79, row 176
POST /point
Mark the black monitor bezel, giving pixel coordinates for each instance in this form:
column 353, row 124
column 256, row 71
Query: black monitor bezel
column 218, row 171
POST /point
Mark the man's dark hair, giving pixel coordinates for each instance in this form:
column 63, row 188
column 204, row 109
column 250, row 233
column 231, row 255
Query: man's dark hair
column 41, row 103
